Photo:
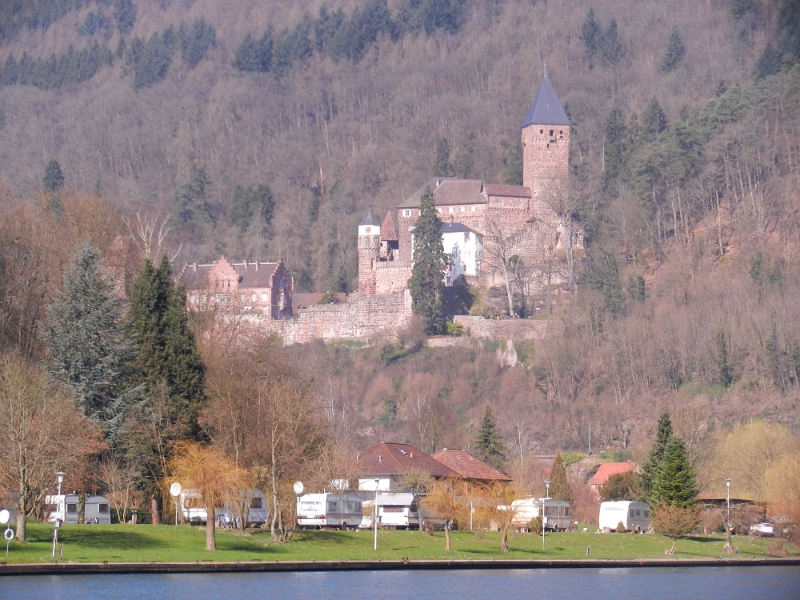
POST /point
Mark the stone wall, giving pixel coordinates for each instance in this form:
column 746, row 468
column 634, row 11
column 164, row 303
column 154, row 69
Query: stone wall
column 508, row 329
column 358, row 320
column 392, row 276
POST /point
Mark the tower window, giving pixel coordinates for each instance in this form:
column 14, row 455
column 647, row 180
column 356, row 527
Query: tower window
column 463, row 209
column 406, row 213
column 541, row 131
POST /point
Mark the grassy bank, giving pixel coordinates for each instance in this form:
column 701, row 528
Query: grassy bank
column 145, row 543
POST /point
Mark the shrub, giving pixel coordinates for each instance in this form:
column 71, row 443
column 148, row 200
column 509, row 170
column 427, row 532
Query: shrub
column 535, row 525
column 454, row 328
column 621, row 527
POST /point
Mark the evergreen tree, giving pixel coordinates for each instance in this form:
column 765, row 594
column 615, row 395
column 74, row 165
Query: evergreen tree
column 559, row 484
column 53, row 180
column 164, row 345
column 512, row 163
column 125, row 15
column 488, row 442
column 674, row 480
column 654, row 121
column 442, row 167
column 590, row 36
column 615, row 146
column 610, row 45
column 650, row 467
column 675, row 51
column 192, row 198
column 88, row 349
column 427, row 276
column 196, row 40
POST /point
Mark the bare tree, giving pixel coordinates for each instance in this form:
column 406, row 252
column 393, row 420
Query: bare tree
column 43, row 432
column 150, row 233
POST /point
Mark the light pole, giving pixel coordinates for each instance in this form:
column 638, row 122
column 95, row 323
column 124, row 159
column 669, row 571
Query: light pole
column 728, row 545
column 544, row 521
column 375, row 515
column 61, row 506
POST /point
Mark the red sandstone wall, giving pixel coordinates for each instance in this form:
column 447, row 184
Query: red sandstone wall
column 392, row 276
column 508, row 329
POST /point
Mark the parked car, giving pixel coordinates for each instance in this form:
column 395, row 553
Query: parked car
column 763, row 529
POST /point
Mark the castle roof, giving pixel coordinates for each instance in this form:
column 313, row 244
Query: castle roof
column 457, row 228
column 249, row 274
column 514, row 191
column 469, row 467
column 546, row 108
column 389, row 228
column 449, row 191
column 369, row 218
column 387, row 458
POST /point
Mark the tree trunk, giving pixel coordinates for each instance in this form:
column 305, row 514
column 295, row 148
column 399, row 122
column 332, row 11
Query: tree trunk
column 21, row 518
column 211, row 540
column 274, row 497
column 508, row 288
column 154, row 512
column 504, row 540
column 447, row 537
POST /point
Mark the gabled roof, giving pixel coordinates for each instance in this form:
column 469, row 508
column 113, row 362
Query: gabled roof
column 468, row 466
column 546, row 108
column 369, row 218
column 514, row 191
column 449, row 191
column 457, row 228
column 304, row 300
column 249, row 274
column 388, row 458
column 606, row 470
column 389, row 228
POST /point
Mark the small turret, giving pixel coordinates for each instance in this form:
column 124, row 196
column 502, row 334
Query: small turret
column 369, row 248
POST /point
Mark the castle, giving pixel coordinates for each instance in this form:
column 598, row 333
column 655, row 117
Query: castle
column 484, row 224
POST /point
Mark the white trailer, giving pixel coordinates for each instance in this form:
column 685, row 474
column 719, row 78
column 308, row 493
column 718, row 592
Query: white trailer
column 317, row 511
column 398, row 511
column 63, row 508
column 556, row 513
column 96, row 510
column 634, row 516
column 252, row 503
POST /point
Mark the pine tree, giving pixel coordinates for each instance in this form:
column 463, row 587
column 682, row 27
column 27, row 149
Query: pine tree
column 88, row 348
column 675, row 51
column 165, row 349
column 489, row 442
column 53, row 180
column 650, row 467
column 442, row 167
column 590, row 36
column 610, row 45
column 427, row 276
column 559, row 484
column 654, row 121
column 674, row 480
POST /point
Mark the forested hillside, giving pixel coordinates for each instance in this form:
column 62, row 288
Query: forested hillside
column 263, row 129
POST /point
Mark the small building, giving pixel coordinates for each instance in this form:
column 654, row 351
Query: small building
column 469, row 467
column 606, row 470
column 390, row 465
column 96, row 510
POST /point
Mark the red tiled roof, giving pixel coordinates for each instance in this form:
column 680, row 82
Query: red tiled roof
column 388, row 458
column 304, row 300
column 389, row 229
column 448, row 192
column 606, row 470
column 251, row 275
column 469, row 467
column 515, row 191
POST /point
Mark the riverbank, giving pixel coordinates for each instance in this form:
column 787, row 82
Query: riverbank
column 118, row 545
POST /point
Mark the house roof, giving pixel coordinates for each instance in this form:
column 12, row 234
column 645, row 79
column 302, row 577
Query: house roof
column 389, row 228
column 606, row 470
column 546, row 108
column 369, row 218
column 514, row 191
column 449, row 191
column 250, row 274
column 468, row 466
column 304, row 300
column 388, row 458
column 457, row 228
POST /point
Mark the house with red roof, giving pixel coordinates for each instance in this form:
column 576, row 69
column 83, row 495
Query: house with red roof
column 389, row 464
column 469, row 467
column 606, row 470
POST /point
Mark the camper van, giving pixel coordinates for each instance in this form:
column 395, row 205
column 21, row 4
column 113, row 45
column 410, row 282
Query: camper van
column 556, row 513
column 398, row 511
column 315, row 511
column 635, row 516
column 96, row 510
column 194, row 510
column 63, row 508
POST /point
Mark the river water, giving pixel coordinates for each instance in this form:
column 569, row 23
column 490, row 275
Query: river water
column 768, row 582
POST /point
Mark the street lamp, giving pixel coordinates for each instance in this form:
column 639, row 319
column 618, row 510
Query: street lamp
column 544, row 521
column 728, row 545
column 375, row 515
column 61, row 507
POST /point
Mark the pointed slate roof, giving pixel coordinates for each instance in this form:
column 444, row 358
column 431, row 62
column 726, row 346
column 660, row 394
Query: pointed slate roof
column 369, row 218
column 546, row 108
column 389, row 228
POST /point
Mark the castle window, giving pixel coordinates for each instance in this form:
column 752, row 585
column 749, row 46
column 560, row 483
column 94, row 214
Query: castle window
column 242, row 297
column 450, row 209
column 541, row 131
column 253, row 297
column 474, row 223
column 406, row 213
column 472, row 208
column 264, row 297
column 463, row 209
column 551, row 132
column 193, row 299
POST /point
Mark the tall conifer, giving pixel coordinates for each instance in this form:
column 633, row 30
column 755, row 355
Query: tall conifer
column 674, row 480
column 656, row 453
column 427, row 276
column 559, row 484
column 489, row 442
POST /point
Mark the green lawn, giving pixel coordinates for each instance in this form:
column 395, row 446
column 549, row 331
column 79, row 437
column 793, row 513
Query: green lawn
column 165, row 543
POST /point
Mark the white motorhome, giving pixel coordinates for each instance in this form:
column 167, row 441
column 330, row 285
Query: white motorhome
column 194, row 510
column 556, row 513
column 63, row 508
column 316, row 511
column 398, row 511
column 634, row 516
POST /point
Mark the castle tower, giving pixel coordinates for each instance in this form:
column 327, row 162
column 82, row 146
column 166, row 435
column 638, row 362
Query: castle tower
column 369, row 248
column 545, row 148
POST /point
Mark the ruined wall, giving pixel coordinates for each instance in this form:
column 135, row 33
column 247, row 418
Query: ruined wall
column 361, row 319
column 508, row 329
